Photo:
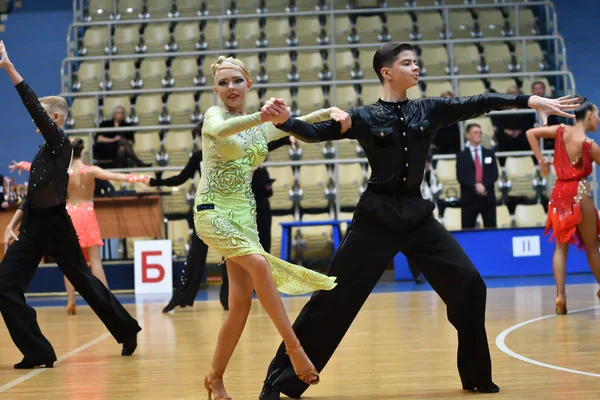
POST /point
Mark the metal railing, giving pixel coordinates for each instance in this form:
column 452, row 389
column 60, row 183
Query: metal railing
column 90, row 132
column 568, row 80
column 295, row 163
column 547, row 5
column 454, row 78
column 336, row 162
column 325, row 161
column 332, row 9
column 97, row 95
column 67, row 63
column 550, row 14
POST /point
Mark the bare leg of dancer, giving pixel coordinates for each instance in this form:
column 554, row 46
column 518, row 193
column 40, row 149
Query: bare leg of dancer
column 257, row 273
column 93, row 253
column 71, row 307
column 97, row 270
column 559, row 264
column 588, row 229
column 264, row 285
column 240, row 302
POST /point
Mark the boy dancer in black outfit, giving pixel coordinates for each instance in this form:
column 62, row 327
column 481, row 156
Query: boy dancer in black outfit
column 391, row 217
column 47, row 229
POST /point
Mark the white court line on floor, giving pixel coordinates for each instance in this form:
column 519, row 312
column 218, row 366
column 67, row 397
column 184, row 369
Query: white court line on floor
column 504, row 348
column 38, row 371
column 62, row 358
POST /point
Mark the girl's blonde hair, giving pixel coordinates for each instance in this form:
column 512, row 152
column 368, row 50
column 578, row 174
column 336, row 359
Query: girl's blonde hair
column 230, row 62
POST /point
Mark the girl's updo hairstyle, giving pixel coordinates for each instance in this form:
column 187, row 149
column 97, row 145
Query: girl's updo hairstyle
column 230, row 63
column 78, row 146
column 584, row 106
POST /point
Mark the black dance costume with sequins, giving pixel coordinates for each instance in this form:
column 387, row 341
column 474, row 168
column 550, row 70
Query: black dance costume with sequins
column 392, row 217
column 47, row 230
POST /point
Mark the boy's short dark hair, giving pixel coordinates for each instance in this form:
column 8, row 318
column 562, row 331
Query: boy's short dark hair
column 387, row 54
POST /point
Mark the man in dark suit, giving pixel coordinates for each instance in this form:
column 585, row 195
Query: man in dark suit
column 477, row 172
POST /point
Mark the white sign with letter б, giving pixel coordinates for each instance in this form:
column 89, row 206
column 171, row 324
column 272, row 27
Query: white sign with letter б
column 153, row 266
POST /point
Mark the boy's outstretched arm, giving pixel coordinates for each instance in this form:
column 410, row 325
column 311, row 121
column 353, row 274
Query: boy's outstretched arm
column 8, row 66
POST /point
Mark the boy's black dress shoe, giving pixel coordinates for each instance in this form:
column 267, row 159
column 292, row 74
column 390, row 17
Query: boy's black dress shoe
column 269, row 393
column 129, row 347
column 29, row 364
column 490, row 388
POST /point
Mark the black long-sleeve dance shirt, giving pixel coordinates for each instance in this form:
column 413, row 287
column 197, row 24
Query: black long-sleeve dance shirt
column 396, row 137
column 49, row 177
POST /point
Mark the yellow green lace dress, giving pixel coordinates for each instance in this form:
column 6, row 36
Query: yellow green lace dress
column 233, row 146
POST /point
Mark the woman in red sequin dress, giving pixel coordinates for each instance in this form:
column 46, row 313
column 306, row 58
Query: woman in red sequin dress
column 572, row 216
column 80, row 207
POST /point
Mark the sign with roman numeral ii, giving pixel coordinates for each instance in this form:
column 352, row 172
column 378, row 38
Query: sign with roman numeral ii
column 526, row 246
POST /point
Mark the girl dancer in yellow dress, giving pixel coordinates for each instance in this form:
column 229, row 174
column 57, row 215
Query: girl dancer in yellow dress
column 234, row 144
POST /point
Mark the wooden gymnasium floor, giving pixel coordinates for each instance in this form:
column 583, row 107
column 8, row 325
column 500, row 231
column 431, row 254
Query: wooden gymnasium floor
column 400, row 347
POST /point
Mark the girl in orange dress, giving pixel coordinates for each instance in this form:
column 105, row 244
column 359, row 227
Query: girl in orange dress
column 80, row 207
column 572, row 216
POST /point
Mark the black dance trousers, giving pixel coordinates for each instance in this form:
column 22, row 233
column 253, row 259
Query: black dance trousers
column 381, row 227
column 193, row 271
column 50, row 232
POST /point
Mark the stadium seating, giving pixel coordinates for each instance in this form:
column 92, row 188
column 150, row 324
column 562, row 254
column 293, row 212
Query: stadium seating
column 167, row 82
